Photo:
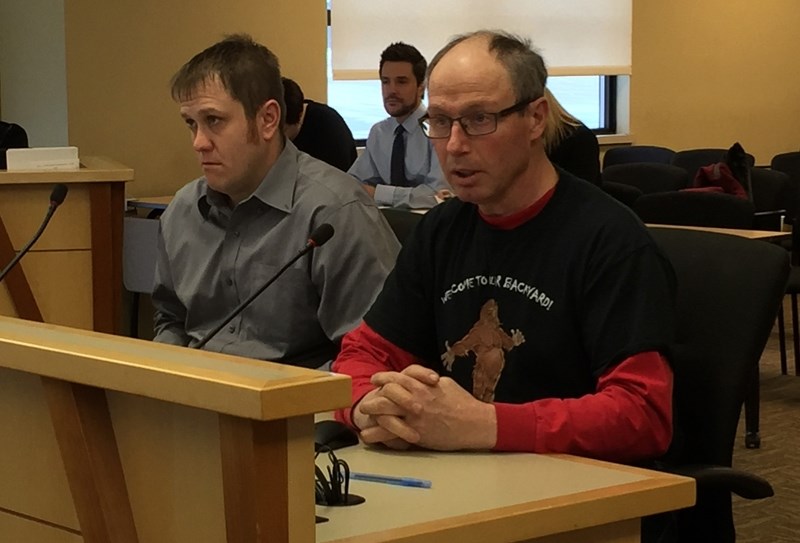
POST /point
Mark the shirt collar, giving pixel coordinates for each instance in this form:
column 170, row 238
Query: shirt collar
column 412, row 122
column 275, row 190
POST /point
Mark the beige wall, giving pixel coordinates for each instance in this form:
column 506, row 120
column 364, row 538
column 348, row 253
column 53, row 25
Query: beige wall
column 120, row 56
column 706, row 74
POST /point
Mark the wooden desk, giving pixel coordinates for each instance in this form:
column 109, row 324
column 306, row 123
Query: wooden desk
column 764, row 235
column 112, row 439
column 482, row 497
column 73, row 275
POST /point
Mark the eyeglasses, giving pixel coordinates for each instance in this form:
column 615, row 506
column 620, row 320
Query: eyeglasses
column 473, row 124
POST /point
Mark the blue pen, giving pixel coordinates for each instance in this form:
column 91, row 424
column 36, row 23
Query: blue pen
column 390, row 480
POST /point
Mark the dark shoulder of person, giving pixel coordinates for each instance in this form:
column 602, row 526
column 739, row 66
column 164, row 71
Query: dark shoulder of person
column 579, row 154
column 326, row 136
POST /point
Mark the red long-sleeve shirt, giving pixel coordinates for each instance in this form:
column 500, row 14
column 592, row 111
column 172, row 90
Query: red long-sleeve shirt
column 628, row 418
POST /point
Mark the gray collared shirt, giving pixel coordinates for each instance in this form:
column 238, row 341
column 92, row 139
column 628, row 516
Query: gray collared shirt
column 422, row 166
column 212, row 257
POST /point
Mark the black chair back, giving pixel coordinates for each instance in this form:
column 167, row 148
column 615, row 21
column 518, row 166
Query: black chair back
column 789, row 163
column 773, row 190
column 695, row 208
column 637, row 153
column 402, row 222
column 729, row 290
column 649, row 177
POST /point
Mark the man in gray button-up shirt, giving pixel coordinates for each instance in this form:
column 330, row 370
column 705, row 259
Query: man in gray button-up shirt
column 225, row 234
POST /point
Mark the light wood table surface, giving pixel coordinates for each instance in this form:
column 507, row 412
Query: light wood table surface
column 493, row 497
column 764, row 235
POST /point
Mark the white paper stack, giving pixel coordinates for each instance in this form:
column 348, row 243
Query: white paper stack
column 43, row 158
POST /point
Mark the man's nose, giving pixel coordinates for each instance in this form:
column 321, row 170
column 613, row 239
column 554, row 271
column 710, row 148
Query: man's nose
column 458, row 140
column 200, row 141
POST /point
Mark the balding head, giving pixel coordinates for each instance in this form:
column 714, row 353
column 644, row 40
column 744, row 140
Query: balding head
column 524, row 66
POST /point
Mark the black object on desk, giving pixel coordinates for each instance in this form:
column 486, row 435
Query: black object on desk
column 334, row 490
column 333, row 435
column 12, row 136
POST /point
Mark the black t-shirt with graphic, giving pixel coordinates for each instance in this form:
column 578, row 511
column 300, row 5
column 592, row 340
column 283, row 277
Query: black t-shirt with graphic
column 541, row 310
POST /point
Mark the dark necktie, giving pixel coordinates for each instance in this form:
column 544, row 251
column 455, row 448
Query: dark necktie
column 398, row 165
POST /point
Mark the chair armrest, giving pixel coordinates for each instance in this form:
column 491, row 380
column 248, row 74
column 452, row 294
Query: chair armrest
column 742, row 483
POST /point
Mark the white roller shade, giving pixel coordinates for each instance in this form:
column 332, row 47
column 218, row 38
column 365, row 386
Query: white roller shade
column 576, row 37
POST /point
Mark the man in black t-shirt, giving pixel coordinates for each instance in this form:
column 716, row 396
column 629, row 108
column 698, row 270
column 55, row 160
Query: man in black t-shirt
column 317, row 129
column 531, row 313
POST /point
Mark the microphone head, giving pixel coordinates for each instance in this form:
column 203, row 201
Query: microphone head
column 320, row 235
column 58, row 195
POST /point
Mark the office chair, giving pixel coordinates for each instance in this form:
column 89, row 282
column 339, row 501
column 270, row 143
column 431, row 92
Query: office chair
column 637, row 153
column 793, row 290
column 649, row 177
column 729, row 289
column 695, row 208
column 401, row 221
column 789, row 163
column 139, row 255
column 773, row 190
column 775, row 196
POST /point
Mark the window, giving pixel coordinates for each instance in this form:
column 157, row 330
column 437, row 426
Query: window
column 585, row 97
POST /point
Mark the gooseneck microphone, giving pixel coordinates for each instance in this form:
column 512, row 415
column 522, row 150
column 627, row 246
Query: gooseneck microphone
column 318, row 237
column 56, row 199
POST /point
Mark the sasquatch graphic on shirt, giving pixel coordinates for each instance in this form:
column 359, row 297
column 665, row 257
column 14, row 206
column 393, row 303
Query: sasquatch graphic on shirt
column 489, row 342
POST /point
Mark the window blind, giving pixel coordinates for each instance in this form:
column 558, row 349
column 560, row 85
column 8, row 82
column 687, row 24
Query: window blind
column 575, row 37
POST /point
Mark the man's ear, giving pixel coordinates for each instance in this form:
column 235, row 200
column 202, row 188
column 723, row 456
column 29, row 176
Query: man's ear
column 268, row 120
column 538, row 110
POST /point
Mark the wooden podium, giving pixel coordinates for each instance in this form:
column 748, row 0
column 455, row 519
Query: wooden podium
column 73, row 275
column 116, row 440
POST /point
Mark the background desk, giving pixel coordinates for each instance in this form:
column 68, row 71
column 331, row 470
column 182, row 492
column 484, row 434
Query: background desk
column 486, row 497
column 73, row 275
column 764, row 235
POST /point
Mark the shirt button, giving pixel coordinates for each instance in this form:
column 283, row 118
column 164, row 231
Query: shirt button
column 231, row 328
column 229, row 281
column 236, row 233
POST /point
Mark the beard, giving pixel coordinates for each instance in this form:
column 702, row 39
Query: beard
column 402, row 111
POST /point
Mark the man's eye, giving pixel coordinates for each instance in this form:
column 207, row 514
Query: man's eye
column 479, row 118
column 439, row 122
column 212, row 120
